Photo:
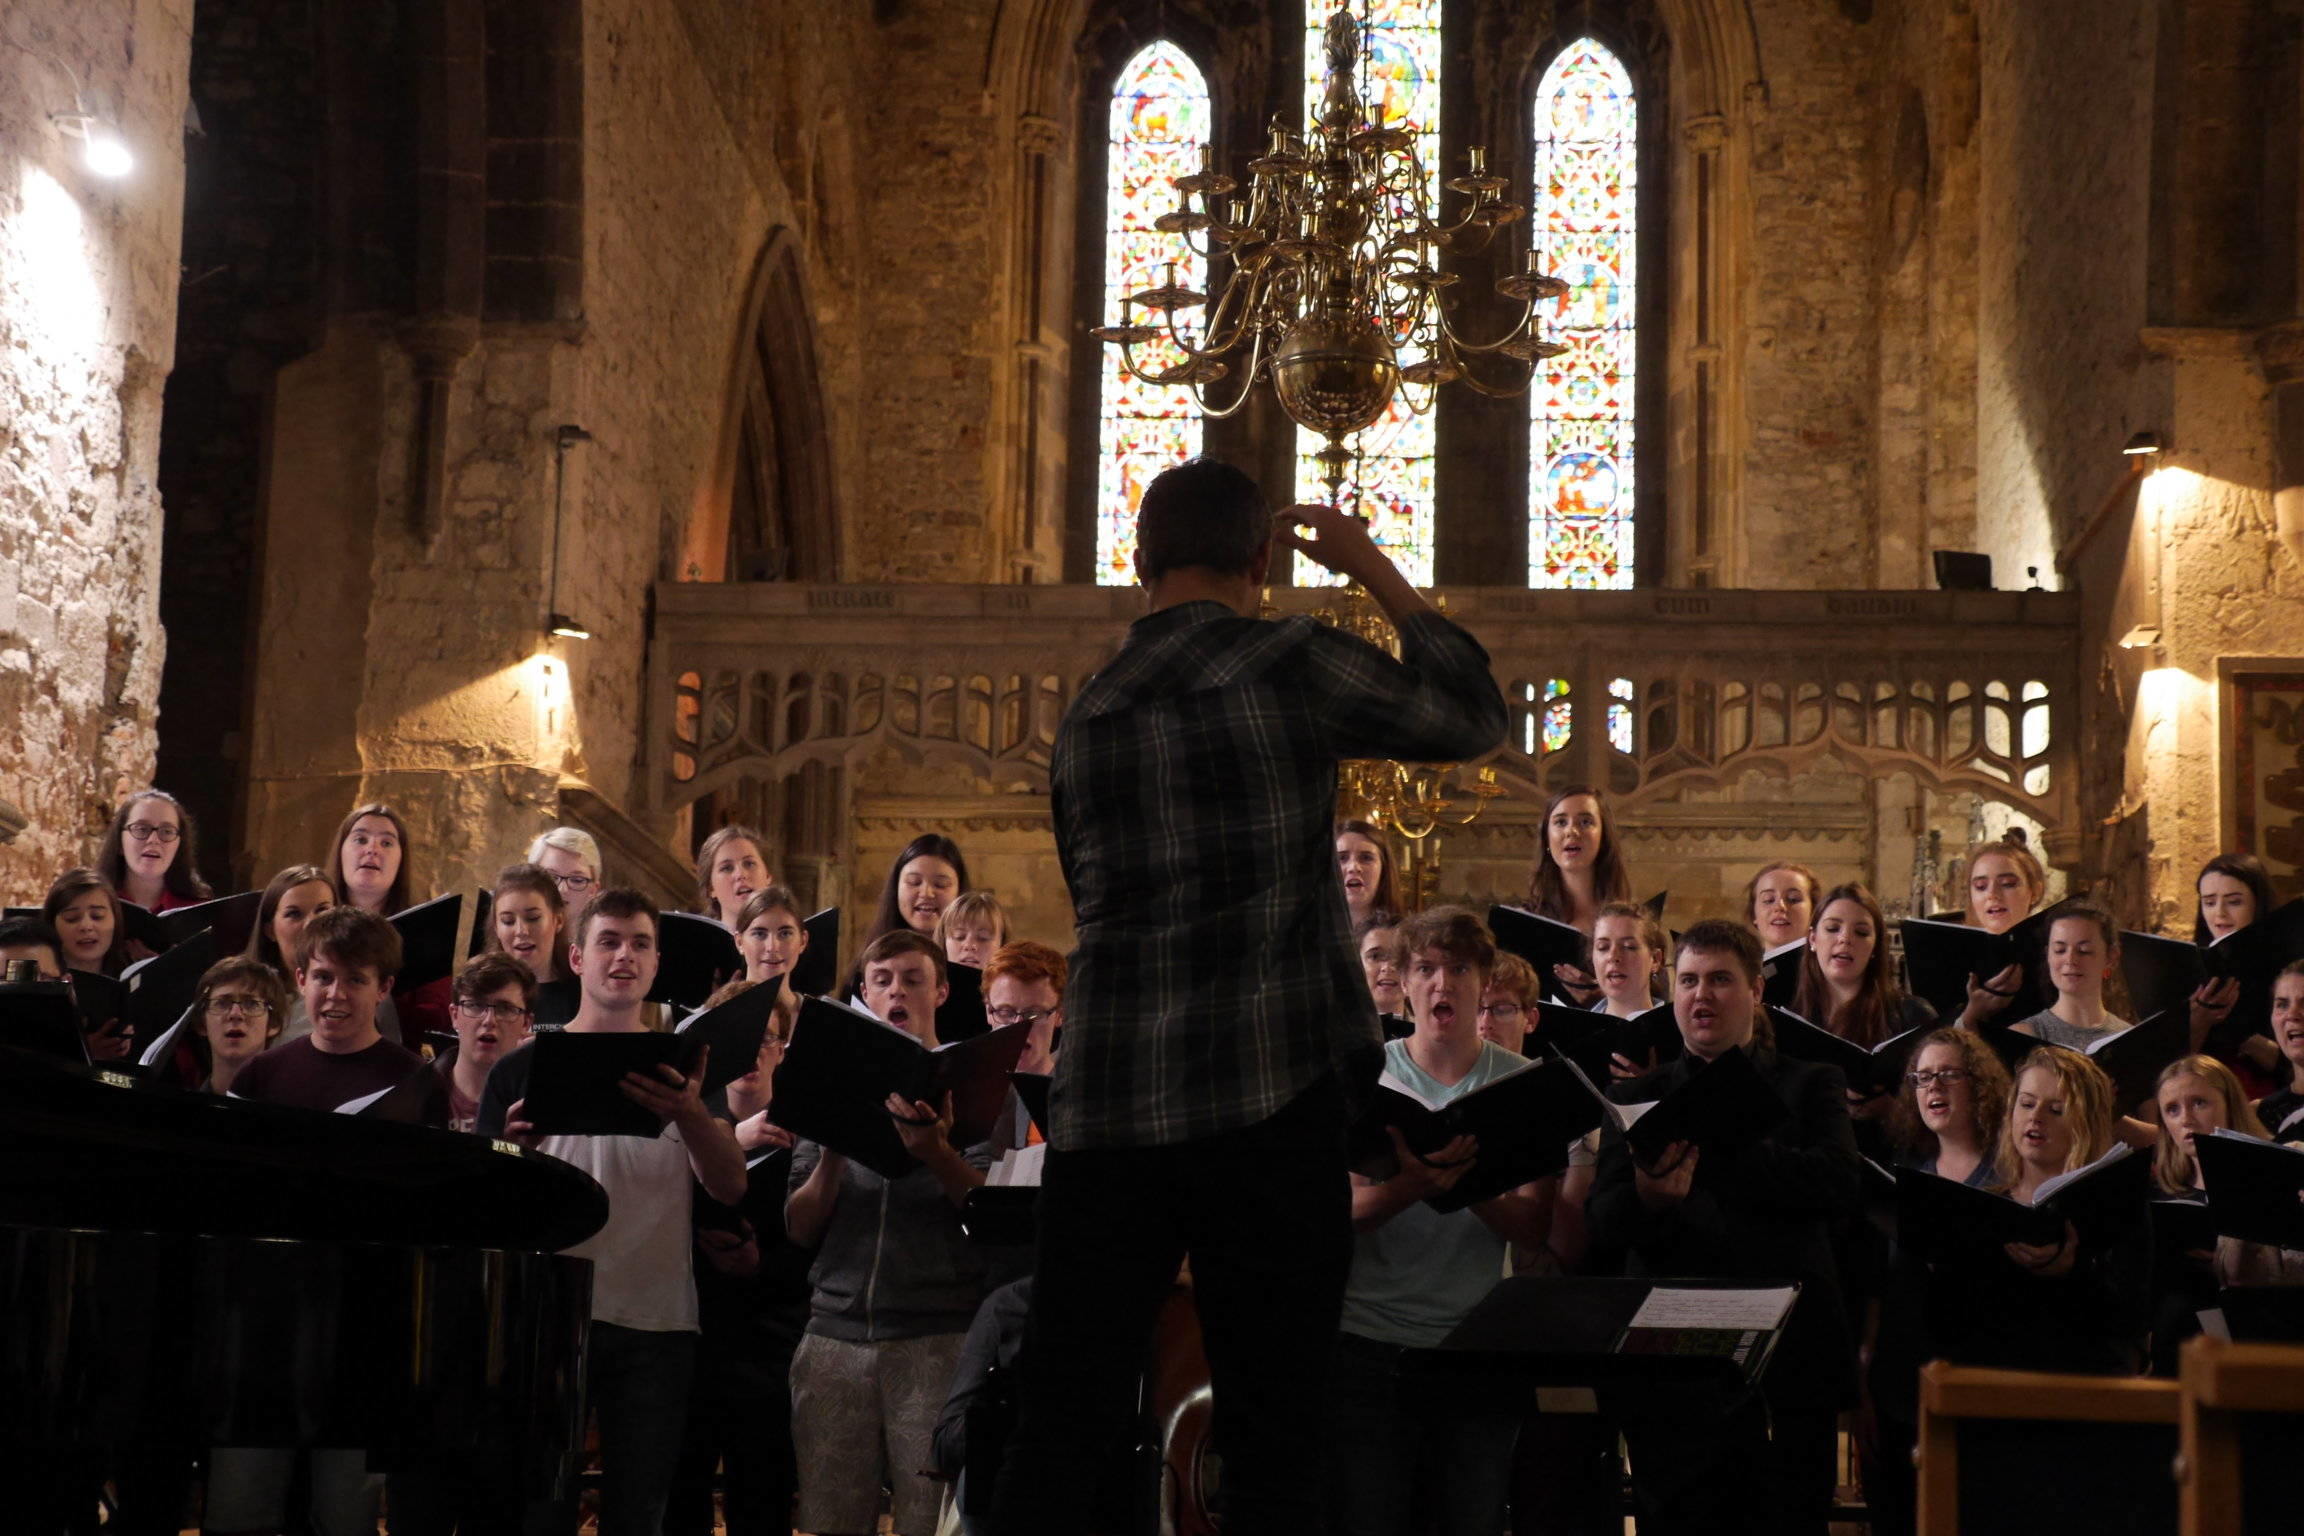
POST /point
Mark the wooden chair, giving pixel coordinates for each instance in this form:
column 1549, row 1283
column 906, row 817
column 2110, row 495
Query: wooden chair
column 1953, row 1395
column 2222, row 1385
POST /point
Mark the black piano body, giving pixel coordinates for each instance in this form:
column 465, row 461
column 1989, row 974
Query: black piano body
column 181, row 1270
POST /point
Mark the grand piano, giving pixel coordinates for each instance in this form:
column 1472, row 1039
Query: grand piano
column 180, row 1271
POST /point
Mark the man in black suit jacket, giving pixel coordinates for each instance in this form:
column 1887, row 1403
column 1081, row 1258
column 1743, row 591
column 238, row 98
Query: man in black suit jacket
column 1739, row 1460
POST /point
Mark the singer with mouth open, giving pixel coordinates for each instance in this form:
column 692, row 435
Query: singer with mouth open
column 1198, row 1109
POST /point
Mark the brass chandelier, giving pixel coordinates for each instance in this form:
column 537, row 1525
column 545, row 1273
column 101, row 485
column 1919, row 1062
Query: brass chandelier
column 1335, row 290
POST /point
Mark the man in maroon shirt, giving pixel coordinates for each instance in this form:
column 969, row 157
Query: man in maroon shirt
column 345, row 961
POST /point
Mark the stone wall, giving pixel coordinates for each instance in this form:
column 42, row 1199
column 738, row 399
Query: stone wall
column 2066, row 167
column 87, row 327
column 418, row 670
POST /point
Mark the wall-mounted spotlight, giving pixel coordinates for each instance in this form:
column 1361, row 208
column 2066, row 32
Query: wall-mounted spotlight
column 2141, row 638
column 2143, row 445
column 102, row 149
column 565, row 627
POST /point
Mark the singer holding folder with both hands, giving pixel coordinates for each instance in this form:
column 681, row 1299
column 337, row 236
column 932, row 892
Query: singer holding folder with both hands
column 1215, row 996
column 1743, row 1207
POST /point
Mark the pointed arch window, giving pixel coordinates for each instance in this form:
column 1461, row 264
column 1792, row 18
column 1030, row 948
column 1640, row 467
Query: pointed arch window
column 1393, row 470
column 1582, row 439
column 1159, row 118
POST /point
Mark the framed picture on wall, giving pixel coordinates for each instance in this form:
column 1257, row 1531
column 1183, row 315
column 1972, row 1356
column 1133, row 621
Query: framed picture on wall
column 2264, row 782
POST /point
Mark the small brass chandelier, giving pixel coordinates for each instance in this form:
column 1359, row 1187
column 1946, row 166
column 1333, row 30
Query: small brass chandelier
column 1415, row 802
column 1335, row 274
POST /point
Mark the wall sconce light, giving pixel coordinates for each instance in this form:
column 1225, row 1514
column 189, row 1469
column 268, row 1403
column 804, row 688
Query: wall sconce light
column 102, row 149
column 2142, row 637
column 2143, row 445
column 556, row 622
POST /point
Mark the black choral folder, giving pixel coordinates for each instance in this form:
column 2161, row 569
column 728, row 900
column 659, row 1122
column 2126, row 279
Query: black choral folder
column 1780, row 973
column 694, row 955
column 734, row 1031
column 231, row 918
column 1523, row 1122
column 1939, row 1218
column 1724, row 1105
column 483, row 917
column 1940, row 957
column 427, row 942
column 2255, row 1188
column 961, row 1015
column 1878, row 1069
column 1541, row 941
column 162, row 988
column 1032, row 1090
column 2133, row 1057
column 817, row 970
column 1589, row 1037
column 2161, row 974
column 842, row 1063
column 575, row 1080
column 138, row 925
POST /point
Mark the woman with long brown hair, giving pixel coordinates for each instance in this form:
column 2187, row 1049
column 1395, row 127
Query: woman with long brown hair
column 730, row 866
column 1846, row 983
column 151, row 853
column 368, row 861
column 1580, row 861
column 1780, row 902
column 1364, row 864
column 1579, row 869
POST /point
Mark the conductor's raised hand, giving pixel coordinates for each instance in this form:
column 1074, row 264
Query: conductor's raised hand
column 1333, row 539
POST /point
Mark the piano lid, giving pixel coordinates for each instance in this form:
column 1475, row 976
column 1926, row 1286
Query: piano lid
column 93, row 1146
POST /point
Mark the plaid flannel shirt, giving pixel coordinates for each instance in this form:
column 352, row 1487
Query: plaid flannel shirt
column 1194, row 787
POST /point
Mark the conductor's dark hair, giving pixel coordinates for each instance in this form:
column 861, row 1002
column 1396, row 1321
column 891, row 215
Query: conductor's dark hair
column 1201, row 512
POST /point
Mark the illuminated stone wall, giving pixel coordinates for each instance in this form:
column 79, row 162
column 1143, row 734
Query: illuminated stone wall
column 87, row 329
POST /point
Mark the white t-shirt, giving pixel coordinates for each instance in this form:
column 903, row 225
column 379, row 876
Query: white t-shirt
column 641, row 1275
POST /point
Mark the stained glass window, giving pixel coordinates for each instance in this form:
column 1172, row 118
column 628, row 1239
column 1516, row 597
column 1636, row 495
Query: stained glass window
column 1620, row 714
column 1160, row 118
column 1391, row 480
column 1558, row 717
column 1581, row 440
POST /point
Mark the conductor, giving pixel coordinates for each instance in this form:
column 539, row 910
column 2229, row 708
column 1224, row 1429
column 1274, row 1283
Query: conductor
column 1198, row 1109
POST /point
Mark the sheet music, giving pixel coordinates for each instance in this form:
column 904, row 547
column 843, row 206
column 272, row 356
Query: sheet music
column 1019, row 1167
column 1708, row 1307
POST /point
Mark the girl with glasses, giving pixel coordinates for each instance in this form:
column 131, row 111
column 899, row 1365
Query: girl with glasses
column 1949, row 1112
column 151, row 853
column 571, row 856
